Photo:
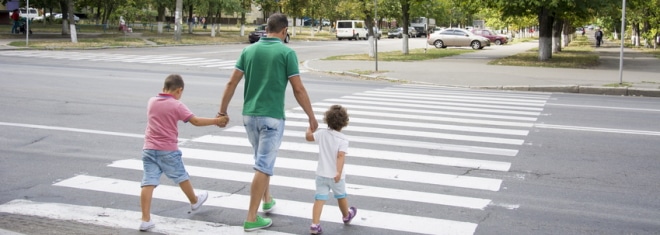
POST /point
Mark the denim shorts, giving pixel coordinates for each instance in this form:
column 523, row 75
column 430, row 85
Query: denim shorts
column 265, row 135
column 323, row 186
column 156, row 162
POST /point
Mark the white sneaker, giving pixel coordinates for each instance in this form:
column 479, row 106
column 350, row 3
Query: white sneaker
column 201, row 198
column 144, row 226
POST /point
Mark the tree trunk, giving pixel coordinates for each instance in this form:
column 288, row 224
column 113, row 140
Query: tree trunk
column 556, row 35
column 405, row 6
column 635, row 34
column 568, row 37
column 161, row 18
column 65, row 26
column 242, row 24
column 546, row 20
column 72, row 22
column 191, row 20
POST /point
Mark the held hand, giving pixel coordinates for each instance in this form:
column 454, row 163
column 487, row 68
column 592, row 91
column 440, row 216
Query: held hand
column 222, row 120
column 313, row 125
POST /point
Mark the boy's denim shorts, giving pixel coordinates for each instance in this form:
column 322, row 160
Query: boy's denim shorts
column 323, row 186
column 265, row 135
column 156, row 162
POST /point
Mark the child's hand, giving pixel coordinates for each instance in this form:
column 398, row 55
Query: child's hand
column 222, row 121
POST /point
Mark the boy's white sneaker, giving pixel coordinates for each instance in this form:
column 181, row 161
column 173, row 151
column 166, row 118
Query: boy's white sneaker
column 144, row 226
column 201, row 198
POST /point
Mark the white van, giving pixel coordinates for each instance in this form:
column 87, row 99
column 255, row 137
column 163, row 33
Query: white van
column 351, row 29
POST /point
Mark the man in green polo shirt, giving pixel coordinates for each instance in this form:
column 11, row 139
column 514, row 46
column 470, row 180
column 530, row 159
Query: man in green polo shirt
column 268, row 66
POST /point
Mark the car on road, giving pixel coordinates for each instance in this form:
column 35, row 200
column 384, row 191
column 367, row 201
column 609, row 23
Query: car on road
column 260, row 31
column 398, row 33
column 59, row 16
column 351, row 29
column 457, row 38
column 498, row 39
column 378, row 33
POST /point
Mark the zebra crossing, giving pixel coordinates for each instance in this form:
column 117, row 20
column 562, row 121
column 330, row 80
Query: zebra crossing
column 125, row 58
column 442, row 128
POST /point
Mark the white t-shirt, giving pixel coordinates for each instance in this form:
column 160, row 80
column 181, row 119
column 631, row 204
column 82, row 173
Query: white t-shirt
column 330, row 143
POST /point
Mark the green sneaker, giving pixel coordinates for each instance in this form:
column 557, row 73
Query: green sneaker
column 268, row 206
column 258, row 224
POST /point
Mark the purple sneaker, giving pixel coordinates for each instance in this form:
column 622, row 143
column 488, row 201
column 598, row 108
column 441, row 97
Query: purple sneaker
column 315, row 229
column 351, row 214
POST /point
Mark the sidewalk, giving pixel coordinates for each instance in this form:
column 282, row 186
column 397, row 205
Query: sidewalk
column 471, row 70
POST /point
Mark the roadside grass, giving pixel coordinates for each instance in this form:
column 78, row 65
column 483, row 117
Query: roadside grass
column 46, row 36
column 413, row 55
column 82, row 43
column 578, row 54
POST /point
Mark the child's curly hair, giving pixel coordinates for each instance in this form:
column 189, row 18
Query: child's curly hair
column 336, row 117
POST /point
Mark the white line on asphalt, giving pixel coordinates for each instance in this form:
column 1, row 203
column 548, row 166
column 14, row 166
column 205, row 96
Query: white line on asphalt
column 460, row 181
column 439, row 115
column 402, row 142
column 402, row 132
column 469, row 92
column 116, row 218
column 76, row 130
column 597, row 129
column 306, row 184
column 432, row 108
column 605, row 107
column 370, row 154
column 330, row 214
column 511, row 103
column 433, row 105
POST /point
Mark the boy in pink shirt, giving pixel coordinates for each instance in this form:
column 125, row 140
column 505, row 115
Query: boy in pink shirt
column 161, row 153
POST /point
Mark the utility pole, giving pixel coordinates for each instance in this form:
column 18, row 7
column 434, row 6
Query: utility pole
column 177, row 20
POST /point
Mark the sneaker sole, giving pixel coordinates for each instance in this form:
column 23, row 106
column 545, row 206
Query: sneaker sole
column 257, row 228
column 147, row 228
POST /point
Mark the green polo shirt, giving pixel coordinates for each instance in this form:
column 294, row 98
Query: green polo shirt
column 267, row 65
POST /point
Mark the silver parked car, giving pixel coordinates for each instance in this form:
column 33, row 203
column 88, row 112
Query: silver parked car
column 457, row 38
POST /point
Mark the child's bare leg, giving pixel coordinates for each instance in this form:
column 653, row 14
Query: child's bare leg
column 267, row 196
column 145, row 202
column 343, row 206
column 316, row 212
column 187, row 188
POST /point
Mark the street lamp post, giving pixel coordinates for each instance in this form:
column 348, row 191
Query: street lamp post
column 623, row 37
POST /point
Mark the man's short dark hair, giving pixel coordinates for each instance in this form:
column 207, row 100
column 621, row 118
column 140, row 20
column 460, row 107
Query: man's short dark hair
column 276, row 23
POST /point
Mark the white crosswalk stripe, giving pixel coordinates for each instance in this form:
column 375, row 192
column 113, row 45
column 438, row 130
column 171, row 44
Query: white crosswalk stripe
column 143, row 59
column 441, row 128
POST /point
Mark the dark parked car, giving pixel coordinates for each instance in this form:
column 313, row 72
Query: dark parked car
column 498, row 39
column 260, row 31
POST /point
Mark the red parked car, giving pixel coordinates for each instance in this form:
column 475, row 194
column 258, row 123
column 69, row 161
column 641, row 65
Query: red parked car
column 498, row 39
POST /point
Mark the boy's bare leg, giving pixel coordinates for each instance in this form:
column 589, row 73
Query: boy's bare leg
column 145, row 202
column 343, row 206
column 257, row 189
column 187, row 188
column 316, row 211
column 266, row 197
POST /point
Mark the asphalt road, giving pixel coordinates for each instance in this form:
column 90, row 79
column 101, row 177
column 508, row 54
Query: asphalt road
column 435, row 160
